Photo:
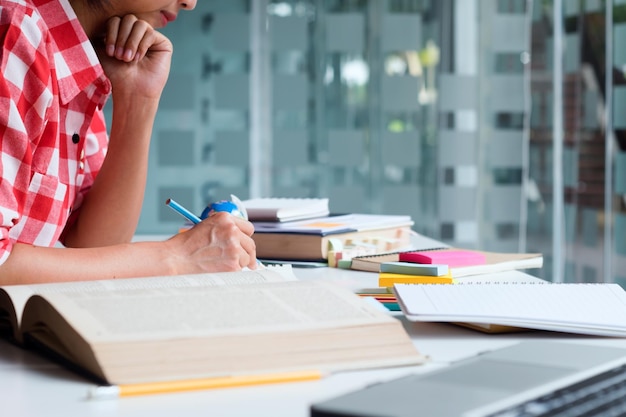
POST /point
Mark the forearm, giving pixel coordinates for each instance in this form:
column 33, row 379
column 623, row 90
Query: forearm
column 111, row 209
column 220, row 243
column 65, row 264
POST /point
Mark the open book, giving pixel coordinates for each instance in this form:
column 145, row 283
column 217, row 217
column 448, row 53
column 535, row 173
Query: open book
column 594, row 309
column 199, row 326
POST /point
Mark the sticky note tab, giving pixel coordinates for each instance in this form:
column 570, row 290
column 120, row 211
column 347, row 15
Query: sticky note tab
column 411, row 268
column 344, row 263
column 452, row 258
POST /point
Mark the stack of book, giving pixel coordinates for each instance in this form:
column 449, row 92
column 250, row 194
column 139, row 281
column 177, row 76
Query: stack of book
column 413, row 273
column 441, row 264
column 329, row 238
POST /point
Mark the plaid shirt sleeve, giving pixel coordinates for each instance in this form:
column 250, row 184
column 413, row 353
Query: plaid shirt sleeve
column 44, row 173
column 25, row 94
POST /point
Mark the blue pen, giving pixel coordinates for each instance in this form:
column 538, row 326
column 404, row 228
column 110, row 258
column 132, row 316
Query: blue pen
column 182, row 210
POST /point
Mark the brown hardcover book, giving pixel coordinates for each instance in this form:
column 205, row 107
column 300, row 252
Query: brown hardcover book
column 313, row 239
column 292, row 246
column 201, row 326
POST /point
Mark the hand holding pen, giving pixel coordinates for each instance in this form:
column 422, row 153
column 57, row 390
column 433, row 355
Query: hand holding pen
column 234, row 207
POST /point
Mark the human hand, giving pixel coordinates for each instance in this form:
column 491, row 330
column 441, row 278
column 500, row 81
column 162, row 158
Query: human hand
column 135, row 57
column 220, row 243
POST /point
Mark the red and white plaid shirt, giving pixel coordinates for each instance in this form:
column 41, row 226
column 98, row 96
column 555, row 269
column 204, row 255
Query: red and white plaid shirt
column 52, row 130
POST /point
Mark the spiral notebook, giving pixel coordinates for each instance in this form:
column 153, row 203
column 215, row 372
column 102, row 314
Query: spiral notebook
column 593, row 309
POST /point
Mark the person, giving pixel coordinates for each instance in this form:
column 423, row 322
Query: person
column 63, row 177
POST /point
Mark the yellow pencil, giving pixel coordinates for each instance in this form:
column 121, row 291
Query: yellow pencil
column 127, row 390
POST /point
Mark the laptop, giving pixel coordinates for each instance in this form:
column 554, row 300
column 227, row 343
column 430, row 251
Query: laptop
column 530, row 378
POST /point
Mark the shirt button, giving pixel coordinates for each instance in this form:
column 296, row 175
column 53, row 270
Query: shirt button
column 75, row 138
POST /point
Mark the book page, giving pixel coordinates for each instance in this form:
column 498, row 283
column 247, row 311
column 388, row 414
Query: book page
column 19, row 294
column 137, row 313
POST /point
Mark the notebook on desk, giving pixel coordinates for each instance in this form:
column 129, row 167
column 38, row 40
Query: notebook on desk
column 532, row 376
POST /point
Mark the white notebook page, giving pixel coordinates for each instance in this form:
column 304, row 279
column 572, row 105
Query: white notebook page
column 535, row 305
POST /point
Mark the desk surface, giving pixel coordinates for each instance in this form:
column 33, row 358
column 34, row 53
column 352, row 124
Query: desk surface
column 33, row 386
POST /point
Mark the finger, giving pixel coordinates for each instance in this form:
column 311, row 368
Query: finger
column 143, row 38
column 110, row 39
column 130, row 35
column 245, row 226
column 124, row 29
column 147, row 40
column 253, row 264
column 141, row 33
column 245, row 261
column 248, row 244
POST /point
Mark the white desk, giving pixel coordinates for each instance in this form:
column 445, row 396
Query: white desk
column 32, row 386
